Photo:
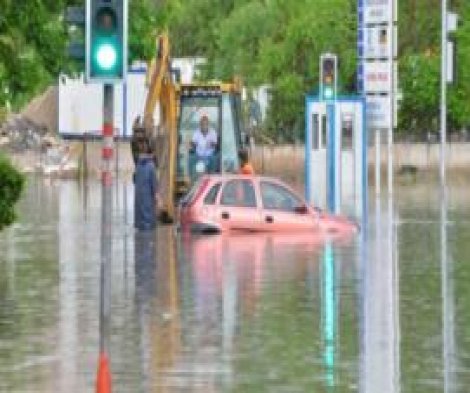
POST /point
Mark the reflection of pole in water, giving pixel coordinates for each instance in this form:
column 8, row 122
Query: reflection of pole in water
column 393, row 289
column 126, row 235
column 447, row 295
column 329, row 313
column 229, row 312
column 380, row 324
column 145, row 291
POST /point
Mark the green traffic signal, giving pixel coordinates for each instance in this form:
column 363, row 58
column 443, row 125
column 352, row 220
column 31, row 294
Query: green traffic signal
column 328, row 92
column 106, row 57
column 328, row 69
column 106, row 37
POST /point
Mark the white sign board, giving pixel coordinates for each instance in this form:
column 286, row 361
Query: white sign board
column 377, row 77
column 378, row 111
column 80, row 106
column 188, row 67
column 377, row 41
column 378, row 11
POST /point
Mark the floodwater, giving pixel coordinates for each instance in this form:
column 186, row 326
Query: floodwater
column 387, row 311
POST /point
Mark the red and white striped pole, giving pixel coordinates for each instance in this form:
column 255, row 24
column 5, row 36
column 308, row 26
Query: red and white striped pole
column 108, row 134
column 103, row 380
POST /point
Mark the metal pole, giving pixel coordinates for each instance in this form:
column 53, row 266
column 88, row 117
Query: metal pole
column 443, row 91
column 392, row 94
column 446, row 262
column 106, row 217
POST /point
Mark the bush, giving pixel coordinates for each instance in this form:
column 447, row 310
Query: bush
column 11, row 186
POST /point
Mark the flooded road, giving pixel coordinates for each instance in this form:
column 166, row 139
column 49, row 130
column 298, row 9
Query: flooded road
column 388, row 311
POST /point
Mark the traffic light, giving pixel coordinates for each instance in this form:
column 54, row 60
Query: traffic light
column 106, row 40
column 328, row 70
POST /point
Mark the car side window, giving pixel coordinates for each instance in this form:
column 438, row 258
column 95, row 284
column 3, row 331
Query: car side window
column 276, row 197
column 211, row 196
column 239, row 193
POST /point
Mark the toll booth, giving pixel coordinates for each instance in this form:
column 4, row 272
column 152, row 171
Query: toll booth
column 336, row 155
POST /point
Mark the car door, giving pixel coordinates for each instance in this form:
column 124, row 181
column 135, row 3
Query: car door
column 283, row 210
column 238, row 207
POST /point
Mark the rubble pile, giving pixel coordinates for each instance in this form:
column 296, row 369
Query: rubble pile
column 34, row 147
column 19, row 134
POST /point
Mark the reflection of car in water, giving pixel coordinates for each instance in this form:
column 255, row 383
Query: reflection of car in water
column 195, row 292
column 226, row 276
column 253, row 203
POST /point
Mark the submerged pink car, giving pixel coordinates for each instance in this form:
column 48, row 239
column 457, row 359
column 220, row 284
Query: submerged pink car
column 218, row 203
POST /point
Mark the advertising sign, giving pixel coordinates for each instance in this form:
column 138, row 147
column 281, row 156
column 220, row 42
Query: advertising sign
column 377, row 11
column 378, row 112
column 377, row 41
column 377, row 77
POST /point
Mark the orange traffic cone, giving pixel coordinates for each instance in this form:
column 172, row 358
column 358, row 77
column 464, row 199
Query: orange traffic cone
column 103, row 380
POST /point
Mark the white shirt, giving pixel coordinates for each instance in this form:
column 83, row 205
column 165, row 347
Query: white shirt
column 204, row 144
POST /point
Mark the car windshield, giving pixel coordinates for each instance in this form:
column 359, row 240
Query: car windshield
column 240, row 193
column 211, row 196
column 193, row 191
column 277, row 197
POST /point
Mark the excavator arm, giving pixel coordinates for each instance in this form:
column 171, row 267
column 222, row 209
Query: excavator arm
column 161, row 100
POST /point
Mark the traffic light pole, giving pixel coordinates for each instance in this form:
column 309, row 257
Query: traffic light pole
column 104, row 375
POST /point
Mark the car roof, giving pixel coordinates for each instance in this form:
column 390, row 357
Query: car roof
column 236, row 176
column 256, row 178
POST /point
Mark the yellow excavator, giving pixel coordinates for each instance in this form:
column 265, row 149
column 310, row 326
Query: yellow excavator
column 172, row 114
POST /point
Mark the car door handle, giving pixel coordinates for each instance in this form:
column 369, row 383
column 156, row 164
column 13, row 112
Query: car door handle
column 225, row 215
column 269, row 219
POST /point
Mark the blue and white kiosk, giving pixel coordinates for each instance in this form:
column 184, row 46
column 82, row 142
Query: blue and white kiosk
column 336, row 154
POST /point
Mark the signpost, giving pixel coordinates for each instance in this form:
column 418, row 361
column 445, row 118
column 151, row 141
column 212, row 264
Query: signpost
column 106, row 63
column 328, row 87
column 377, row 73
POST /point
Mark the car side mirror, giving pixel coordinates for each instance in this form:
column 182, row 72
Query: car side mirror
column 301, row 209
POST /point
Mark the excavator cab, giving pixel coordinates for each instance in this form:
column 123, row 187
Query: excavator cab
column 221, row 104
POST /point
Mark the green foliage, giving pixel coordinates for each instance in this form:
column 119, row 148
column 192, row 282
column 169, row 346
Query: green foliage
column 33, row 42
column 144, row 21
column 275, row 42
column 420, row 81
column 459, row 95
column 268, row 42
column 32, row 48
column 279, row 42
column 11, row 186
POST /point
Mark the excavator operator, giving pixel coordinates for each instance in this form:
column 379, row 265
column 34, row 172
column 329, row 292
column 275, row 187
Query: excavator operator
column 203, row 147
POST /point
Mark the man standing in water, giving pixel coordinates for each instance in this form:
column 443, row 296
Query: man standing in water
column 145, row 188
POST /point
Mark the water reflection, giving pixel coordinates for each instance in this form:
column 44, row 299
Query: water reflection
column 380, row 330
column 145, row 291
column 329, row 313
column 387, row 311
column 145, row 252
column 223, row 281
column 448, row 299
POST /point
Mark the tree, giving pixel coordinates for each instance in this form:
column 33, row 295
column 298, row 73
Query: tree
column 275, row 42
column 32, row 48
column 11, row 186
column 420, row 81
